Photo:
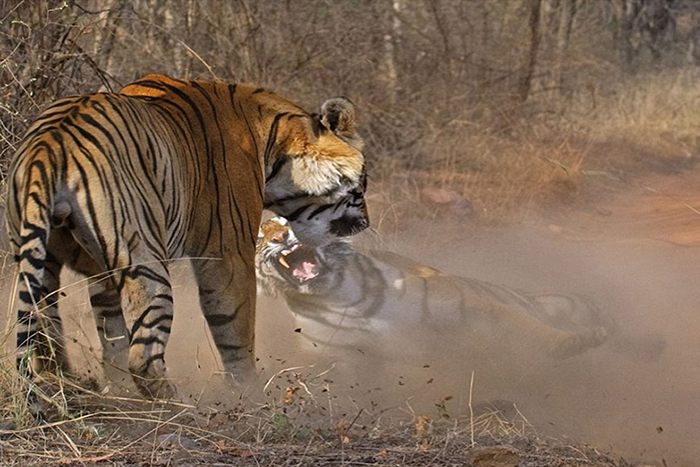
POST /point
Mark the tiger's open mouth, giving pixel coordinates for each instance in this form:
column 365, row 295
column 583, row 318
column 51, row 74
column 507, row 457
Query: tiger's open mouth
column 298, row 263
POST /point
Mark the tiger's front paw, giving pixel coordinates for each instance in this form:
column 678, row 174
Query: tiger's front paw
column 151, row 377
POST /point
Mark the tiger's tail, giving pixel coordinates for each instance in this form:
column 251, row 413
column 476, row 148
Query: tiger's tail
column 39, row 333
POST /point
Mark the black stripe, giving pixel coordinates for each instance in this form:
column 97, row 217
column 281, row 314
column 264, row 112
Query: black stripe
column 276, row 167
column 30, row 279
column 153, row 358
column 220, row 319
column 38, row 201
column 139, row 322
column 23, row 316
column 142, row 270
column 294, row 215
column 164, row 296
column 105, row 299
column 37, row 231
column 319, row 210
column 272, row 137
column 93, row 215
column 147, row 340
column 155, row 322
column 110, row 313
column 24, row 339
column 150, row 84
column 36, row 263
column 230, row 347
column 240, row 227
column 30, row 298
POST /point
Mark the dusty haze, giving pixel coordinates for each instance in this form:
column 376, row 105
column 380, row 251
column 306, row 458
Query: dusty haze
column 638, row 402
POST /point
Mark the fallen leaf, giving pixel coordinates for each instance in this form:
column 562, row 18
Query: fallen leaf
column 289, row 395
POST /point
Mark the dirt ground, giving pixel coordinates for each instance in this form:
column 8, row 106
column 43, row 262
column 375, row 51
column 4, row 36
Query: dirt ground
column 634, row 251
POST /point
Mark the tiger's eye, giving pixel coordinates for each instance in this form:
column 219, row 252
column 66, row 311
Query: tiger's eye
column 279, row 235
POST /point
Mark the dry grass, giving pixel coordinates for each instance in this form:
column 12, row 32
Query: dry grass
column 306, row 429
column 657, row 108
column 501, row 170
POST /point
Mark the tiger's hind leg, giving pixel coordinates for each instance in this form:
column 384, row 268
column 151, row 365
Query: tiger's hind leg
column 141, row 280
column 147, row 302
column 39, row 328
column 50, row 347
column 227, row 297
column 111, row 327
column 556, row 343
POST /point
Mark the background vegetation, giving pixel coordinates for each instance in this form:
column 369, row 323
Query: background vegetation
column 490, row 102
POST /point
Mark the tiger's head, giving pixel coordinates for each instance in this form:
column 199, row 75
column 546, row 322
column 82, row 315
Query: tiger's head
column 318, row 180
column 284, row 264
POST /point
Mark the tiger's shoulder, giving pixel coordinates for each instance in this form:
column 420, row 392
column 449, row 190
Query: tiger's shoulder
column 157, row 86
column 153, row 85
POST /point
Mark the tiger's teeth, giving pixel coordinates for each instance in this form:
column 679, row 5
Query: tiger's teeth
column 284, row 262
column 285, row 252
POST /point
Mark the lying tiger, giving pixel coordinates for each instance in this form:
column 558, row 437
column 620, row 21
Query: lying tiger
column 378, row 301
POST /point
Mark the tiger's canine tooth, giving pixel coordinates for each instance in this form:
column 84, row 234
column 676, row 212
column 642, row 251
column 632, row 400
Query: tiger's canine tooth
column 284, row 262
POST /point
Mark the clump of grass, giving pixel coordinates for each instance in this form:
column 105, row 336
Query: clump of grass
column 508, row 164
column 488, row 177
column 657, row 108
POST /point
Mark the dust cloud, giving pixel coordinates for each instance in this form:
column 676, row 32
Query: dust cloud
column 639, row 401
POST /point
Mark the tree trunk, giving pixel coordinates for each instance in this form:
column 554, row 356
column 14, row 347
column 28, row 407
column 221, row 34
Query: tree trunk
column 566, row 19
column 391, row 39
column 534, row 26
column 625, row 13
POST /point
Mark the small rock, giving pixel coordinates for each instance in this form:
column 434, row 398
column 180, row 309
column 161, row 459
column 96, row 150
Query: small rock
column 494, row 456
column 6, row 429
column 177, row 440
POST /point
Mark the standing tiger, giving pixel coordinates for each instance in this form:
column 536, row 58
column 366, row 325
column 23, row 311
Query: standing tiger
column 114, row 185
column 344, row 300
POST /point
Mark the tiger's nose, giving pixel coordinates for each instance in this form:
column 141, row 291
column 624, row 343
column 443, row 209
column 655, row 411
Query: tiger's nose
column 357, row 226
column 360, row 225
column 349, row 225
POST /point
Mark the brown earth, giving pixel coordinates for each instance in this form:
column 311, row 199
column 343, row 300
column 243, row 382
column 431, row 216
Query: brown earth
column 631, row 247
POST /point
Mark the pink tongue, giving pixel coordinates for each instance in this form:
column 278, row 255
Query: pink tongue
column 305, row 271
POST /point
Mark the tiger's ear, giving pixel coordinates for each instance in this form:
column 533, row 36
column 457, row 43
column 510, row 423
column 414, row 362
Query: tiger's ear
column 321, row 161
column 338, row 115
